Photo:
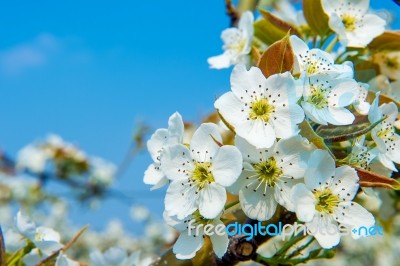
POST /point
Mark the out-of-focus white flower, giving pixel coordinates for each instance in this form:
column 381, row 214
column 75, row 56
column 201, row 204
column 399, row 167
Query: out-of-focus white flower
column 310, row 62
column 286, row 11
column 13, row 240
column 382, row 83
column 32, row 158
column 158, row 141
column 325, row 99
column 114, row 256
column 139, row 213
column 261, row 109
column 269, row 175
column 389, row 63
column 102, row 172
column 350, row 20
column 45, row 239
column 325, row 200
column 237, row 43
column 384, row 135
column 192, row 231
column 63, row 260
column 200, row 173
column 360, row 104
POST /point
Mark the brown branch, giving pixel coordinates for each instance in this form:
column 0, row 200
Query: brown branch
column 232, row 12
column 2, row 250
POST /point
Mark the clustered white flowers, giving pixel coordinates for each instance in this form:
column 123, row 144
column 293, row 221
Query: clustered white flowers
column 268, row 161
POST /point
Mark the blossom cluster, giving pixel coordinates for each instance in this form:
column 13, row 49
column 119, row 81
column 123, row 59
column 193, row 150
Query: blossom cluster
column 270, row 159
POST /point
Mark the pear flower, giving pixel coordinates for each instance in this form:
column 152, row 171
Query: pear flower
column 350, row 20
column 360, row 156
column 325, row 99
column 389, row 63
column 45, row 239
column 310, row 62
column 32, row 158
column 325, row 200
column 113, row 256
column 261, row 109
column 200, row 173
column 192, row 230
column 161, row 138
column 269, row 175
column 237, row 43
column 384, row 135
column 361, row 105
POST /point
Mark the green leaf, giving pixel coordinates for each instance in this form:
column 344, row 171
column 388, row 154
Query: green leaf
column 278, row 58
column 342, row 133
column 308, row 132
column 271, row 28
column 316, row 17
column 389, row 40
column 370, row 179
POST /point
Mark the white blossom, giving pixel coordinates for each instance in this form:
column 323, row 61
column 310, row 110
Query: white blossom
column 325, row 199
column 113, row 256
column 237, row 43
column 161, row 138
column 200, row 173
column 352, row 22
column 269, row 175
column 389, row 63
column 261, row 109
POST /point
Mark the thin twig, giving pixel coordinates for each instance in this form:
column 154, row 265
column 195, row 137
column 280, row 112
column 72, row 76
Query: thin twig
column 2, row 250
column 231, row 12
column 64, row 248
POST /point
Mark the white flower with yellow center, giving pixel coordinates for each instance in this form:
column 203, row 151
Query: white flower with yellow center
column 161, row 138
column 384, row 135
column 269, row 175
column 361, row 155
column 200, row 173
column 325, row 99
column 45, row 239
column 261, row 109
column 310, row 62
column 325, row 200
column 349, row 19
column 193, row 229
column 237, row 43
column 389, row 63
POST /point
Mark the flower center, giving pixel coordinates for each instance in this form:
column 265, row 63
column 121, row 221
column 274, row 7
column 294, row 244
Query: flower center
column 202, row 175
column 349, row 22
column 318, row 98
column 261, row 109
column 326, row 201
column 312, row 67
column 268, row 171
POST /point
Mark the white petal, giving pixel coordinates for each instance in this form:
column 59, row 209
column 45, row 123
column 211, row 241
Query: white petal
column 230, row 107
column 25, row 226
column 246, row 22
column 257, row 133
column 181, row 200
column 326, row 230
column 175, row 128
column 345, row 183
column 285, row 120
column 186, row 246
column 96, row 258
column 250, row 153
column 300, row 50
column 176, row 162
column 337, row 116
column 351, row 213
column 156, row 143
column 247, row 84
column 343, row 93
column 248, row 170
column 313, row 113
column 203, row 145
column 304, row 202
column 153, row 174
column 212, row 200
column 321, row 167
column 293, row 155
column 283, row 191
column 227, row 165
column 220, row 61
column 219, row 243
column 257, row 205
column 375, row 113
column 62, row 260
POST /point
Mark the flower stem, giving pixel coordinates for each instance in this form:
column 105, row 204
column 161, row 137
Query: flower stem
column 230, row 205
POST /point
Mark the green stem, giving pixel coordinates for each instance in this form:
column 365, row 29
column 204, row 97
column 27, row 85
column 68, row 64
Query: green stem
column 293, row 240
column 332, row 44
column 301, row 248
column 245, row 5
column 230, row 205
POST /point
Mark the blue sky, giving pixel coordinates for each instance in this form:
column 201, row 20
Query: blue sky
column 87, row 70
